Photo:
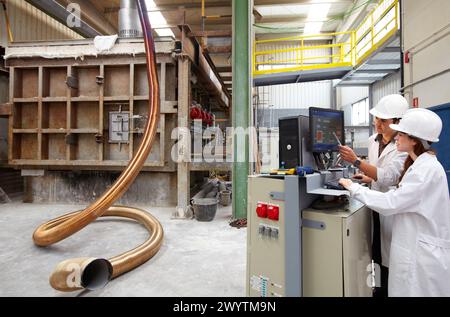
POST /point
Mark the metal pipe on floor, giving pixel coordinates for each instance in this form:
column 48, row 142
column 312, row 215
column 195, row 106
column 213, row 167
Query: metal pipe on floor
column 91, row 273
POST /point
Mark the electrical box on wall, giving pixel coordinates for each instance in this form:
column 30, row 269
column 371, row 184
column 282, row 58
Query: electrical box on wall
column 119, row 127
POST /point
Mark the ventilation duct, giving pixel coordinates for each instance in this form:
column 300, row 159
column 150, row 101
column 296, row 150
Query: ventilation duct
column 129, row 23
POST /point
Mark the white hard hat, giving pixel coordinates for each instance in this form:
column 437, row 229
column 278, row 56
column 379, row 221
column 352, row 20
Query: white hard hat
column 390, row 107
column 420, row 123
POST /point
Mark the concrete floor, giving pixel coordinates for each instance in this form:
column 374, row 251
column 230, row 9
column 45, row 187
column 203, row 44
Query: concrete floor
column 197, row 259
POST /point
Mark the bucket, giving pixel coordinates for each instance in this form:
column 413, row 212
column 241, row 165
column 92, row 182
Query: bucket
column 225, row 198
column 205, row 209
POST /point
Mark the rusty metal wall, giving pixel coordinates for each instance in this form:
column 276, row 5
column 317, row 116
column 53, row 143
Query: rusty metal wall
column 30, row 24
column 85, row 187
column 11, row 182
column 4, row 97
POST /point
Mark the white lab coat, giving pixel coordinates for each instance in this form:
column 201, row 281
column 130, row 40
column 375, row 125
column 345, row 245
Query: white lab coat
column 420, row 248
column 389, row 169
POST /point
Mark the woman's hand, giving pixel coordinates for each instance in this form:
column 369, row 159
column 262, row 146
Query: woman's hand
column 347, row 183
column 347, row 154
column 363, row 179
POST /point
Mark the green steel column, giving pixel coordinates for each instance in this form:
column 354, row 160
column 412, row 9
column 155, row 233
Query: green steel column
column 242, row 38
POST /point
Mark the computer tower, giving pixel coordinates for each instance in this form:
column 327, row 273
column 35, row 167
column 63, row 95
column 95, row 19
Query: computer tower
column 294, row 142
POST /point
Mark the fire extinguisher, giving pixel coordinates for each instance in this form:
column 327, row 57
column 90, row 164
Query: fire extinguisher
column 196, row 114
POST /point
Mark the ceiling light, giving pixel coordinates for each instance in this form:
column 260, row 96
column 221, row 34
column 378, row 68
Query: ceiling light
column 317, row 12
column 157, row 19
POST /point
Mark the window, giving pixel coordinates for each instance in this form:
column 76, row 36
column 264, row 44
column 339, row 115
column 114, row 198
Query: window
column 360, row 113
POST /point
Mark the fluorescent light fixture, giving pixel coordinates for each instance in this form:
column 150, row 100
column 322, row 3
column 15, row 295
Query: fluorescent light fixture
column 157, row 19
column 165, row 32
column 283, row 10
column 318, row 12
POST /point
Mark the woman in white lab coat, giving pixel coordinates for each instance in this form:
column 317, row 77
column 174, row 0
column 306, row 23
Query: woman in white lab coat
column 382, row 171
column 420, row 209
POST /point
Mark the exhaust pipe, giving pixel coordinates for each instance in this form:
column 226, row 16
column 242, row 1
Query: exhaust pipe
column 83, row 273
column 129, row 25
column 93, row 273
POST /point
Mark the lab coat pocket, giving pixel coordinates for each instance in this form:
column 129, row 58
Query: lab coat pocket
column 399, row 271
column 432, row 269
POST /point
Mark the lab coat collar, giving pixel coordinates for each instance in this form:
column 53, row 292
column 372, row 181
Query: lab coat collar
column 379, row 138
column 388, row 149
column 422, row 159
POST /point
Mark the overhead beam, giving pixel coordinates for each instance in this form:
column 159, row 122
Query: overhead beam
column 59, row 13
column 178, row 5
column 224, row 69
column 353, row 85
column 92, row 16
column 365, row 78
column 300, row 19
column 384, row 62
column 296, row 2
column 271, row 2
column 377, row 71
column 211, row 34
column 391, row 49
column 218, row 49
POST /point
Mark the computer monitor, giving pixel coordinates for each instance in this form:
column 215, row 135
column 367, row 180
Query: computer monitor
column 324, row 123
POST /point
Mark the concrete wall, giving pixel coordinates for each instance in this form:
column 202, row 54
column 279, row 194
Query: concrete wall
column 155, row 189
column 426, row 35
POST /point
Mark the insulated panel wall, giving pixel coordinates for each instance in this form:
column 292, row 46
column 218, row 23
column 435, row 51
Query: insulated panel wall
column 390, row 85
column 426, row 36
column 300, row 96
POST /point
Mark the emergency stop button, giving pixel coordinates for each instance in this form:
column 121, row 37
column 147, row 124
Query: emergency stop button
column 261, row 210
column 273, row 212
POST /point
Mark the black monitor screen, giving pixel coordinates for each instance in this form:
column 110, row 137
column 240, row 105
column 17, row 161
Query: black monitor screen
column 324, row 123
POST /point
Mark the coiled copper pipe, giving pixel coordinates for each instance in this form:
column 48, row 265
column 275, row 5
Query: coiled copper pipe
column 65, row 226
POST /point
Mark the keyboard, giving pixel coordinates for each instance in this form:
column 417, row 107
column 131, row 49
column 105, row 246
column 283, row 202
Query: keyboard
column 334, row 184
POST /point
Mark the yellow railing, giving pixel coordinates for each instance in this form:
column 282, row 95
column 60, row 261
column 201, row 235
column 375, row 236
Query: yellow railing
column 379, row 26
column 298, row 54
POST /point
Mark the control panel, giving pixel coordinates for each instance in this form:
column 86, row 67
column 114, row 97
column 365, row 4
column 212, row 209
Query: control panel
column 267, row 243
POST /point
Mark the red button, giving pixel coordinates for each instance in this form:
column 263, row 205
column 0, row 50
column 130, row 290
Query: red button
column 261, row 210
column 273, row 213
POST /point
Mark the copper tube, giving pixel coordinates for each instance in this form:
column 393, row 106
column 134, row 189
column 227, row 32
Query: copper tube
column 59, row 229
column 91, row 273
